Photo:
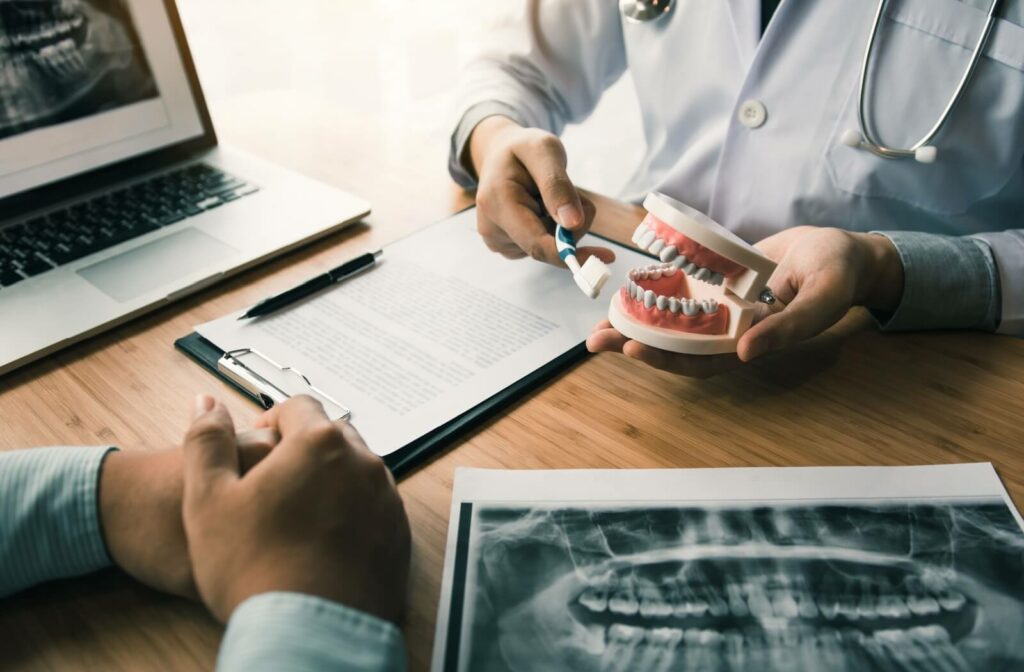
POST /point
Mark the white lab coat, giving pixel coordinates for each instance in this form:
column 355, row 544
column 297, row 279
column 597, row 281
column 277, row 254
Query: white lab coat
column 698, row 69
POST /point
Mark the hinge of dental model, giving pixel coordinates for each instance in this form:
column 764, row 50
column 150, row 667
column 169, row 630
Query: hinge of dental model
column 591, row 276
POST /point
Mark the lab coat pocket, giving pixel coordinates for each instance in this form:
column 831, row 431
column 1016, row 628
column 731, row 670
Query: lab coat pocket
column 921, row 52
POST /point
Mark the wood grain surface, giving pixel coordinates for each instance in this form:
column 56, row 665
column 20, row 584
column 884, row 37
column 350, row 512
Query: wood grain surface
column 851, row 396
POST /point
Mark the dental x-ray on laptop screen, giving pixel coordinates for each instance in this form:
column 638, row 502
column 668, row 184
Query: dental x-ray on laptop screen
column 111, row 180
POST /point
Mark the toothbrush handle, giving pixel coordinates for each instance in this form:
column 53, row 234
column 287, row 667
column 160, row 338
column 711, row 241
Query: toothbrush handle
column 565, row 243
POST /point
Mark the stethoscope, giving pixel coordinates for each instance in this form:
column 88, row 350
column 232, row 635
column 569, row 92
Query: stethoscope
column 921, row 150
column 640, row 11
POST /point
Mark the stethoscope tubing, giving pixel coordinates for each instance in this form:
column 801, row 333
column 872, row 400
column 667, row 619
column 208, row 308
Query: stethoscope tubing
column 871, row 141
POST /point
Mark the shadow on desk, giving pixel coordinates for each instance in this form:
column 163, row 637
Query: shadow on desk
column 135, row 617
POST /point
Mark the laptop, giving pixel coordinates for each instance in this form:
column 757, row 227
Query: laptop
column 115, row 197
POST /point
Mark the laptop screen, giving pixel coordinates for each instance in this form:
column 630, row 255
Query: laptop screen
column 87, row 83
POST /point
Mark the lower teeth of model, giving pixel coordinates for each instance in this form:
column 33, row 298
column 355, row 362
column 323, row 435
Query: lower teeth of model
column 688, row 307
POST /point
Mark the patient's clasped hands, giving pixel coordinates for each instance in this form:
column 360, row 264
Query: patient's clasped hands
column 301, row 505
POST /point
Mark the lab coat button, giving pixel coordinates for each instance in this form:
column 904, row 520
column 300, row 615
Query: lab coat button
column 752, row 114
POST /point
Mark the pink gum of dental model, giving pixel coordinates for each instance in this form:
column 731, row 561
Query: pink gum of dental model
column 675, row 286
column 693, row 250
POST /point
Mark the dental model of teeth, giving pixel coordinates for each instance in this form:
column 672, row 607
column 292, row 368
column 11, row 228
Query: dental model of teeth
column 701, row 295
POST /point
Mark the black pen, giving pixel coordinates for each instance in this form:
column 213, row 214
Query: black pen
column 290, row 296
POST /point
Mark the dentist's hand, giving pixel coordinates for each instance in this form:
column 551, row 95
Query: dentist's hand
column 821, row 274
column 320, row 515
column 515, row 165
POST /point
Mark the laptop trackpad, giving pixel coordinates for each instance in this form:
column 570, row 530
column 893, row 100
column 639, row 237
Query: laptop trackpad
column 133, row 273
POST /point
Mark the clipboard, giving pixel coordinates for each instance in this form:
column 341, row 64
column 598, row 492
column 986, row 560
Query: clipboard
column 266, row 382
column 271, row 383
column 403, row 460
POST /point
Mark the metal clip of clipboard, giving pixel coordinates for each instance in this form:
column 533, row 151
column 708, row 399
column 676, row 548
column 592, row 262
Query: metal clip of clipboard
column 269, row 393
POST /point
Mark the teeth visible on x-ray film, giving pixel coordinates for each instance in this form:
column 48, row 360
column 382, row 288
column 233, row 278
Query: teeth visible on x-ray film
column 62, row 60
column 922, row 586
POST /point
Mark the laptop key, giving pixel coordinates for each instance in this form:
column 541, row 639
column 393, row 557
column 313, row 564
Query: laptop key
column 18, row 254
column 62, row 253
column 171, row 218
column 209, row 203
column 13, row 234
column 34, row 266
column 9, row 277
column 224, row 188
column 41, row 244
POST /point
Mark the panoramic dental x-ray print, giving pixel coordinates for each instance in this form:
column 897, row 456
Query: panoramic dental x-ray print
column 899, row 585
column 62, row 60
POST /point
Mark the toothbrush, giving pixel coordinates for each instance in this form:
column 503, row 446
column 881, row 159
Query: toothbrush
column 591, row 276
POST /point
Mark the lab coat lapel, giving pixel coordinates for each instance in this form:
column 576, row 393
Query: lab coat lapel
column 745, row 17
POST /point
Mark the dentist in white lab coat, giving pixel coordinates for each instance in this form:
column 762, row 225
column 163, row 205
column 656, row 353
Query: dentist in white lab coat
column 745, row 104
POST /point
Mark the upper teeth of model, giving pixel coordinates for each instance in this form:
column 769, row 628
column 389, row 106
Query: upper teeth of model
column 688, row 307
column 647, row 239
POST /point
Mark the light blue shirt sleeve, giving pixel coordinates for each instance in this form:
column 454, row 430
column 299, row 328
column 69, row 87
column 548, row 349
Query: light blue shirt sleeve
column 949, row 282
column 49, row 516
column 50, row 529
column 302, row 633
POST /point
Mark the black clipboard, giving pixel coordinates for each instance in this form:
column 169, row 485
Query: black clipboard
column 403, row 460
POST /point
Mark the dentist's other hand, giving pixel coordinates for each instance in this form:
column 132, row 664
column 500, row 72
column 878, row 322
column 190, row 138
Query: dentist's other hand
column 140, row 498
column 821, row 274
column 515, row 165
column 320, row 515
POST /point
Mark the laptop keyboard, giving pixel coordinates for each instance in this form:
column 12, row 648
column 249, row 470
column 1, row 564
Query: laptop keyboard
column 60, row 237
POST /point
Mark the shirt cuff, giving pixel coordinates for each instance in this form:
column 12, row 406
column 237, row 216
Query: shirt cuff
column 458, row 159
column 1007, row 249
column 296, row 632
column 49, row 515
column 949, row 282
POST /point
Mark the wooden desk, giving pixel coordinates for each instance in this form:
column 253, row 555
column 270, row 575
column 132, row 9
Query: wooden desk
column 872, row 399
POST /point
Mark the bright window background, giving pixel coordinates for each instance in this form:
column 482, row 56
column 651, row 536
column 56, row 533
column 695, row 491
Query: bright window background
column 395, row 58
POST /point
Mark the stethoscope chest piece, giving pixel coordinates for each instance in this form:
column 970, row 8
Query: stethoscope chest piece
column 644, row 11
